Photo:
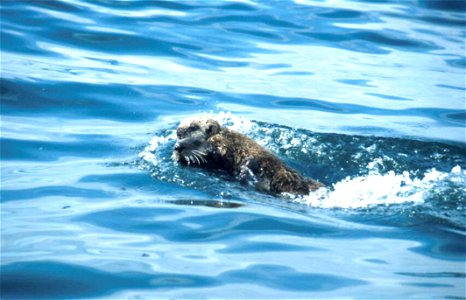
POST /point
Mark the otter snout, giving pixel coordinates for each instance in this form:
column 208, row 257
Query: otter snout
column 189, row 150
column 187, row 144
column 178, row 147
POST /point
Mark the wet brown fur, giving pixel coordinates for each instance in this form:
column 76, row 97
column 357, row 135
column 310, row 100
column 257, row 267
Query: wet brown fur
column 240, row 156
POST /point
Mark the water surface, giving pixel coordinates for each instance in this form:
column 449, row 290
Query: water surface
column 365, row 96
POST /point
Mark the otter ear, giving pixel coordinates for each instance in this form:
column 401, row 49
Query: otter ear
column 213, row 128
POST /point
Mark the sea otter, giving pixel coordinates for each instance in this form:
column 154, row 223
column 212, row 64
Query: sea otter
column 204, row 142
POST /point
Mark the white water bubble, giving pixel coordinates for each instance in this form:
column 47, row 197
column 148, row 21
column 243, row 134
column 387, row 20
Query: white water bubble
column 234, row 122
column 456, row 170
column 382, row 189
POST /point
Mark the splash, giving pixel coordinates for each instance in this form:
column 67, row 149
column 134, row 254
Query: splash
column 148, row 154
column 385, row 189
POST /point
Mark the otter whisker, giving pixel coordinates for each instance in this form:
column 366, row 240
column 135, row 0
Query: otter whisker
column 201, row 159
column 197, row 158
column 199, row 155
column 202, row 154
column 190, row 157
column 175, row 156
column 188, row 160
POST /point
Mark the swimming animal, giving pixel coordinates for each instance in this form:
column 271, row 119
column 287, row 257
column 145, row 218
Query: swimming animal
column 204, row 142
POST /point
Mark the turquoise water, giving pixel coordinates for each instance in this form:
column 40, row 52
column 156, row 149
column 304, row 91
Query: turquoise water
column 365, row 96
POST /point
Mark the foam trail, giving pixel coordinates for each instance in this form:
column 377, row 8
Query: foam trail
column 384, row 189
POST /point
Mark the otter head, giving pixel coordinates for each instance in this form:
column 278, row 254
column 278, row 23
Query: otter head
column 192, row 145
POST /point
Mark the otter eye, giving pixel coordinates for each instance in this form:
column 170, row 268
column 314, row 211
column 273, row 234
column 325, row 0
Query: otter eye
column 179, row 132
column 194, row 127
column 211, row 128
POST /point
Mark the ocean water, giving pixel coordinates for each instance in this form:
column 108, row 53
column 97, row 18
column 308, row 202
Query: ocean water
column 366, row 96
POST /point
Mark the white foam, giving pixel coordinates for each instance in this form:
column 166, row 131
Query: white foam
column 382, row 189
column 148, row 154
column 233, row 122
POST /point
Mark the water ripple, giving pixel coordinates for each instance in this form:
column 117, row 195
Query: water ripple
column 366, row 96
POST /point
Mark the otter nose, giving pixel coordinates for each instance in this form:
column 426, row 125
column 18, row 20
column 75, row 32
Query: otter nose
column 178, row 146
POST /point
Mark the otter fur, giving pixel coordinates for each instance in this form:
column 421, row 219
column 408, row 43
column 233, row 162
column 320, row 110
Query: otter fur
column 203, row 141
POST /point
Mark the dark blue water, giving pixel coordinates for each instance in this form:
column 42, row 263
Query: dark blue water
column 365, row 96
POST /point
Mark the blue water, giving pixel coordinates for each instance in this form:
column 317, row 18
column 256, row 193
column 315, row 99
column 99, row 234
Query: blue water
column 365, row 96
